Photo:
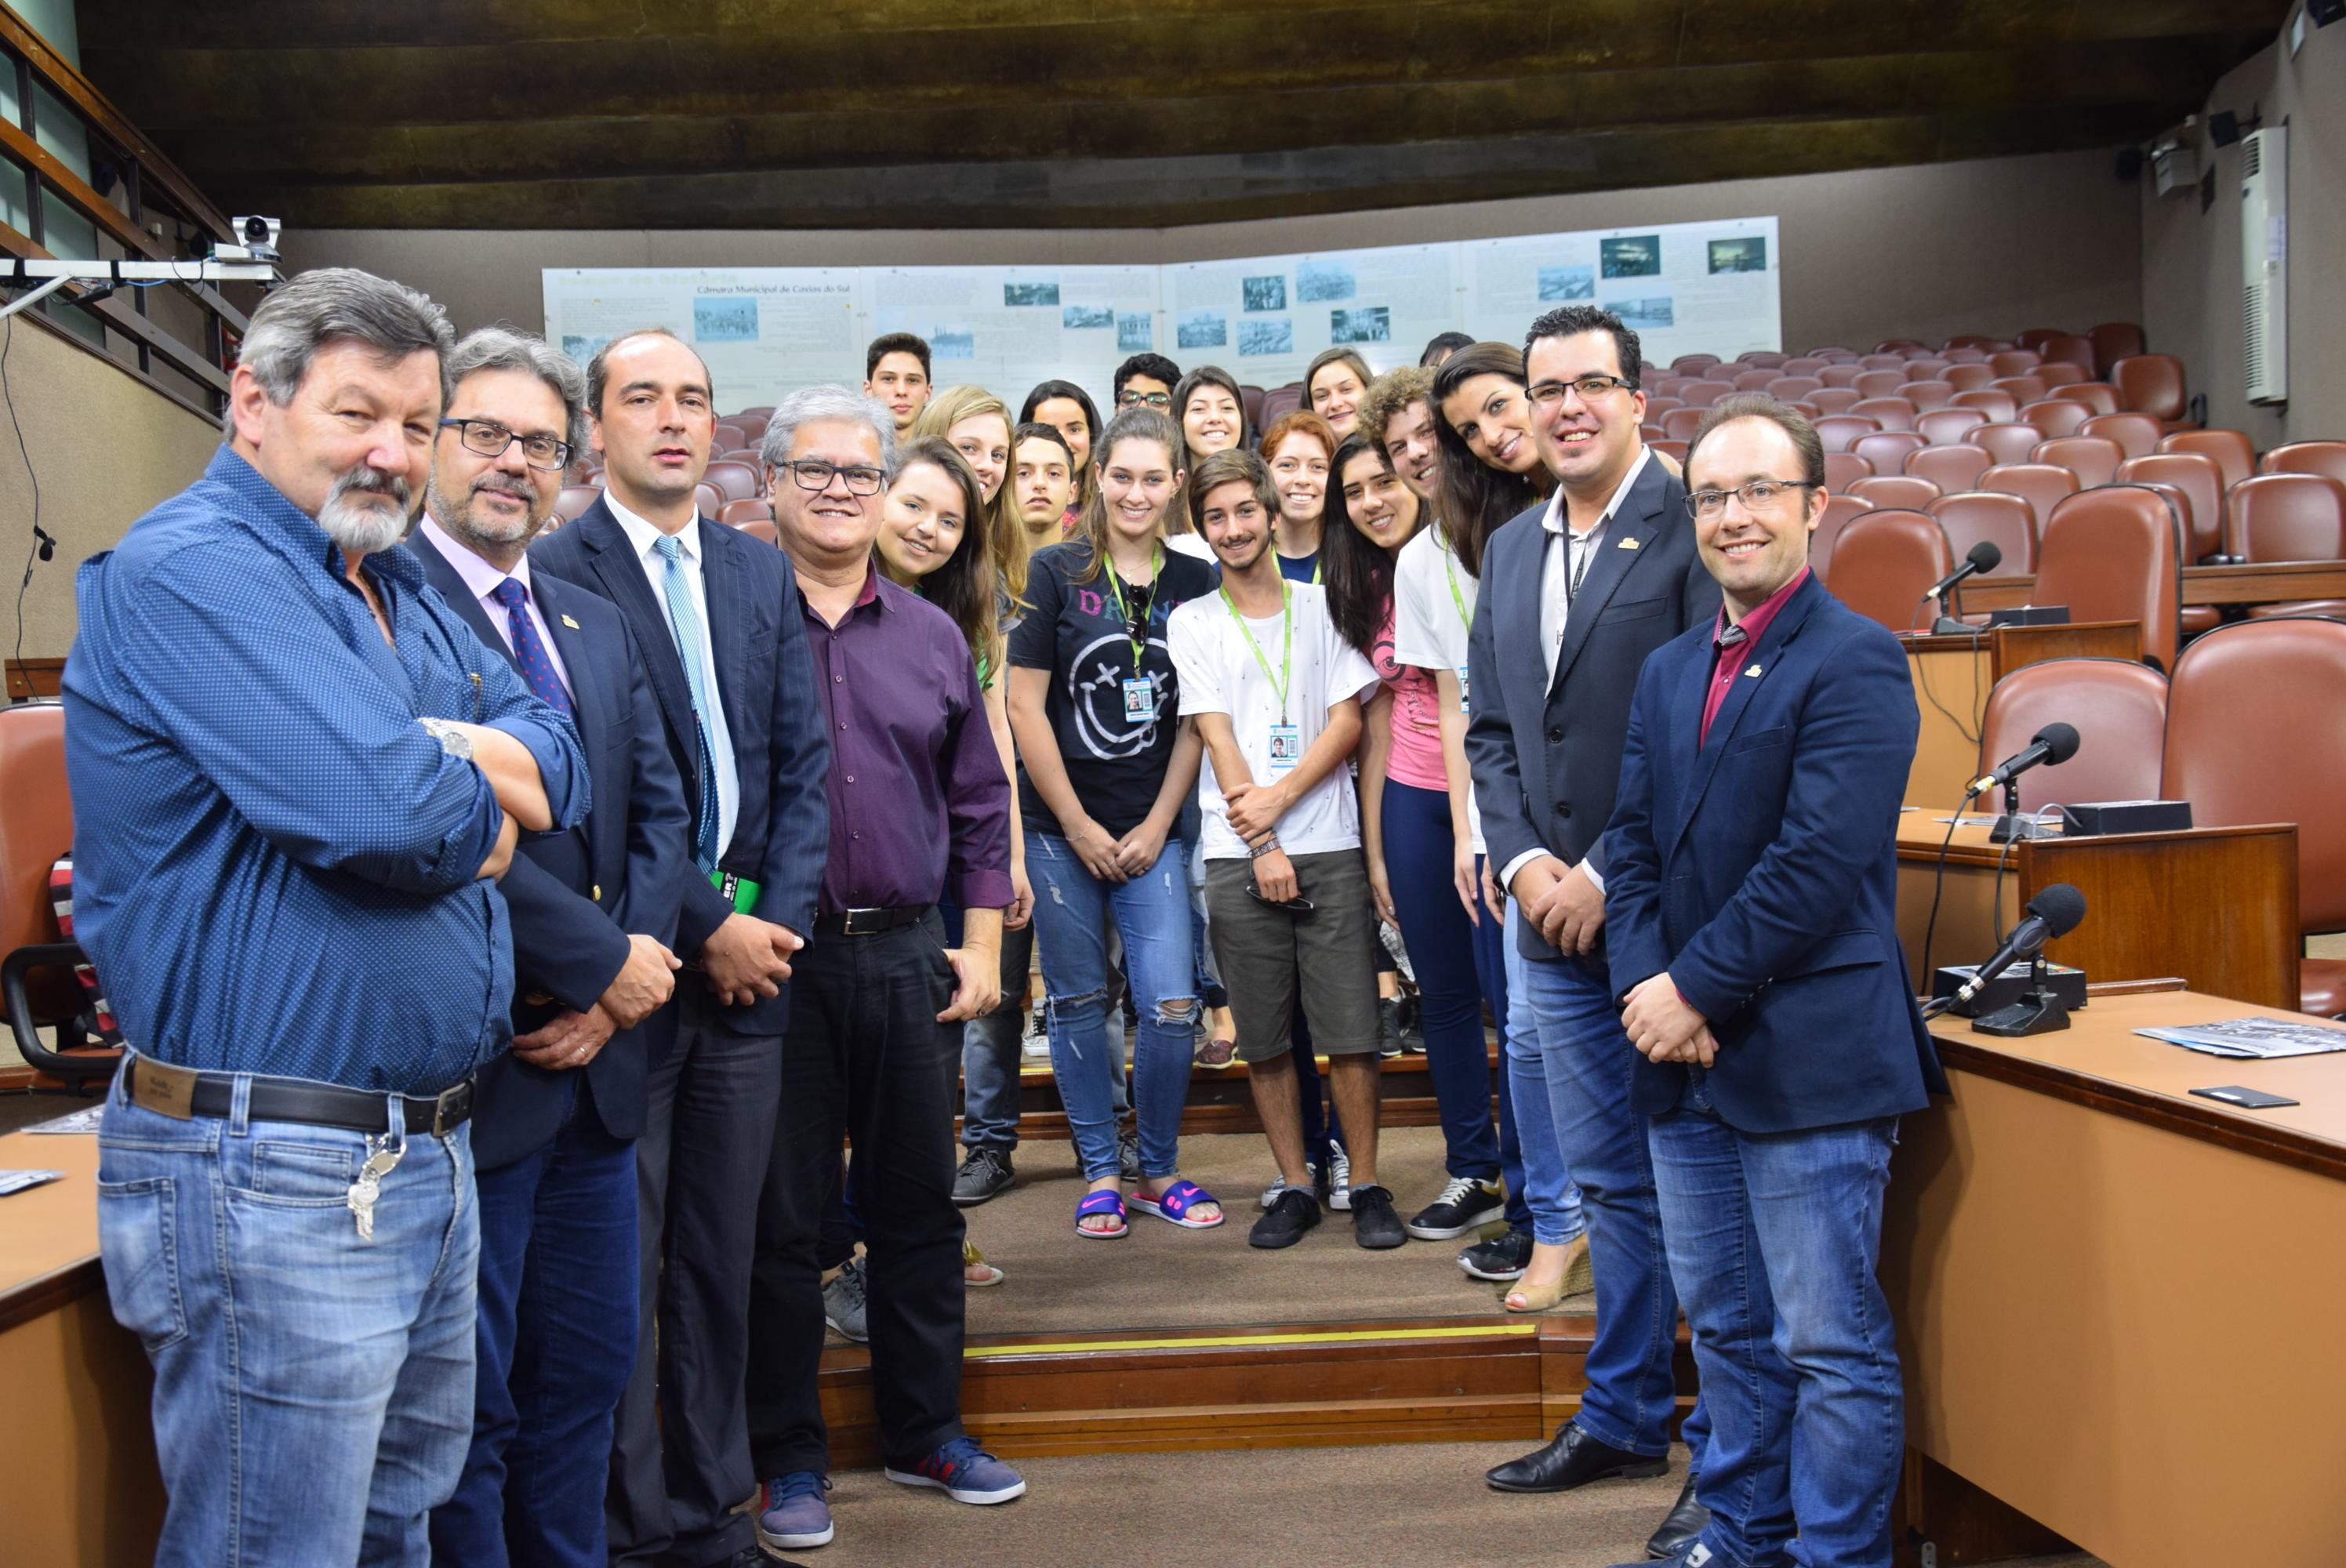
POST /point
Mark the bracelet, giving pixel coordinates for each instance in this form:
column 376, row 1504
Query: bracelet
column 1265, row 845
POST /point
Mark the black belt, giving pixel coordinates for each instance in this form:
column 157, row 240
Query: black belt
column 869, row 922
column 185, row 1092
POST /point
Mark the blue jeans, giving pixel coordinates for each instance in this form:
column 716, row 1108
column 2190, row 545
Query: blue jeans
column 989, row 1046
column 1491, row 946
column 1586, row 1061
column 1554, row 1201
column 1774, row 1241
column 314, row 1392
column 556, row 1343
column 1151, row 912
column 1441, row 943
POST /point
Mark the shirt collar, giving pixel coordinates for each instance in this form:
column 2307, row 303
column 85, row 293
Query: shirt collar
column 274, row 516
column 1554, row 521
column 644, row 535
column 480, row 576
column 1754, row 627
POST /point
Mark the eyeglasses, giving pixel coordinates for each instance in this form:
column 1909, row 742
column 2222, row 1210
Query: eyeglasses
column 1547, row 394
column 1758, row 496
column 1134, row 399
column 487, row 438
column 814, row 473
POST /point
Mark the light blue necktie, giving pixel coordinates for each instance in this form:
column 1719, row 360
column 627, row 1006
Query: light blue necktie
column 684, row 622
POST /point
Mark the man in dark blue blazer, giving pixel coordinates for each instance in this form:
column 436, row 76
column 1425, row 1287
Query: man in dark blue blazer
column 554, row 1119
column 1577, row 594
column 717, row 614
column 1753, row 893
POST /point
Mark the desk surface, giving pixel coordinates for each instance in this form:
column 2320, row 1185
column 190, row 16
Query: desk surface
column 48, row 1236
column 2267, row 582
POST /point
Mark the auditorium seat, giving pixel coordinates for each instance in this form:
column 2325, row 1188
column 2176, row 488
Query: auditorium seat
column 1755, row 379
column 1926, row 395
column 1884, row 359
column 735, row 514
column 1839, row 432
column 1680, row 423
column 708, row 498
column 1834, row 400
column 1660, row 403
column 1280, row 402
column 735, row 481
column 574, row 499
column 1843, row 469
column 2099, row 396
column 2118, row 708
column 2035, row 339
column 2000, row 407
column 37, row 831
column 2093, row 459
column 2288, row 517
column 2202, row 484
column 2114, row 554
column 1250, row 400
column 1954, row 357
column 1664, row 384
column 1693, row 364
column 1968, row 340
column 2239, row 749
column 759, row 528
column 1948, row 426
column 2138, row 434
column 1791, row 389
column 2006, row 443
column 2015, row 362
column 1879, row 384
column 1971, row 515
column 727, row 434
column 1841, row 374
column 1889, row 413
column 1800, row 365
column 2056, row 416
column 2230, row 450
column 2298, row 457
column 2071, row 350
column 2058, row 375
column 2024, row 390
column 1761, row 359
column 2041, row 485
column 1969, row 378
column 1951, row 468
column 1702, row 393
column 1895, row 492
column 1673, row 449
column 1840, row 511
column 1887, row 448
column 749, row 454
column 2152, row 384
column 2113, row 341
column 1884, row 561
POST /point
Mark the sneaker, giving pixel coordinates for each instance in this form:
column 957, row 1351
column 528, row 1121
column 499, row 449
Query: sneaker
column 1389, row 1026
column 1375, row 1226
column 984, row 1171
column 1412, row 1026
column 844, row 1306
column 1278, row 1185
column 1296, row 1212
column 1340, row 1178
column 1127, row 1153
column 1503, row 1257
column 1467, row 1204
column 791, row 1512
column 964, row 1472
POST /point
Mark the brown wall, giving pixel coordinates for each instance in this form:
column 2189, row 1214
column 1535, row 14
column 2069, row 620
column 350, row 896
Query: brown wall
column 2191, row 260
column 1994, row 244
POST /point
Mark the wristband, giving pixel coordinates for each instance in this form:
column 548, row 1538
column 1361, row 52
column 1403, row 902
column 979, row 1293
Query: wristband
column 1269, row 843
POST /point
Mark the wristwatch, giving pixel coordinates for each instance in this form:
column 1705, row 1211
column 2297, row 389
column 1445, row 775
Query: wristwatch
column 452, row 738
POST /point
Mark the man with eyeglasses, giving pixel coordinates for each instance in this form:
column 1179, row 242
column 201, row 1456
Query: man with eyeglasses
column 1596, row 578
column 715, row 614
column 556, row 1118
column 1147, row 380
column 919, row 809
column 1778, row 1041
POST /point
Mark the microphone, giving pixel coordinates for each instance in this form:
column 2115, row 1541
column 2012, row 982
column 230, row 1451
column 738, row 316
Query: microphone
column 1983, row 557
column 2054, row 912
column 2055, row 744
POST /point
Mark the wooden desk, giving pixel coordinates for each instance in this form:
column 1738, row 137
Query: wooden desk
column 2111, row 1296
column 82, row 1486
column 2268, row 582
column 2216, row 906
column 1952, row 678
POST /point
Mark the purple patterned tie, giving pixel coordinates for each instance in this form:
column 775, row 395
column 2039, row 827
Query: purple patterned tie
column 529, row 648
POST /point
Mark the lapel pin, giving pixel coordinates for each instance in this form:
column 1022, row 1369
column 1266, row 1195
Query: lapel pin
column 571, row 624
column 1753, row 671
column 1626, row 544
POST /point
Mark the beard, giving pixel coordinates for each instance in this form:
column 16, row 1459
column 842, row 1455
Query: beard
column 360, row 529
column 476, row 527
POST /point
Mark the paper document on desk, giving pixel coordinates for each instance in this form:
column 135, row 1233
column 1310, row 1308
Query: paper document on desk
column 85, row 1120
column 2257, row 1037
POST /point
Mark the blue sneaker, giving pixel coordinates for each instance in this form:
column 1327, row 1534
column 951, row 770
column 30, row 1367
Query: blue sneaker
column 791, row 1512
column 964, row 1472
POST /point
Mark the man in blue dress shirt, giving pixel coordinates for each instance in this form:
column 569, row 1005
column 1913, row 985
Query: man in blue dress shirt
column 296, row 775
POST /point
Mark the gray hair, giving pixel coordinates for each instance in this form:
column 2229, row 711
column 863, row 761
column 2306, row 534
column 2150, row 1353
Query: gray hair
column 811, row 405
column 505, row 348
column 338, row 304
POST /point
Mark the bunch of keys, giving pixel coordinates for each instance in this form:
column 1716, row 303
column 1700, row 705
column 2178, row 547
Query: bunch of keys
column 382, row 1156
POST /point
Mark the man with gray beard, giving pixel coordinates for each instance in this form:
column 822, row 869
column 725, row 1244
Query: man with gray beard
column 297, row 774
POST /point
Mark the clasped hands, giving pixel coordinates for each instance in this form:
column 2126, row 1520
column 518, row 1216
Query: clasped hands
column 571, row 1039
column 1664, row 1027
column 1562, row 904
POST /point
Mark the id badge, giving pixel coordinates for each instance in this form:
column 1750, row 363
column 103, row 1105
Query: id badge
column 1461, row 688
column 1286, row 747
column 1139, row 700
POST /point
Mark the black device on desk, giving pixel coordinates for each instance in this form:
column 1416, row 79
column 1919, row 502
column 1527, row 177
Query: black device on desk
column 2095, row 816
column 2246, row 1099
column 2041, row 1009
column 2030, row 616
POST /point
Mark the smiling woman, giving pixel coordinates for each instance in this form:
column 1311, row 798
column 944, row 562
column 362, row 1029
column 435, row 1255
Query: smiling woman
column 1490, row 467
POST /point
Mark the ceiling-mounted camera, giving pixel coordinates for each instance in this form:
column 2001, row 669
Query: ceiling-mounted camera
column 256, row 241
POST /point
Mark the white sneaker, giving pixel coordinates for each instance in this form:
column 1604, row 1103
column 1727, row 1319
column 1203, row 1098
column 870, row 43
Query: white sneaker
column 1340, row 1179
column 1278, row 1185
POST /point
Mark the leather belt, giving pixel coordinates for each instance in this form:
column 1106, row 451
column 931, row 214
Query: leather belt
column 869, row 922
column 184, row 1094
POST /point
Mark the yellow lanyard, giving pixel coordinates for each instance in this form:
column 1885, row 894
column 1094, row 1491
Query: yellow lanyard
column 1450, row 570
column 1286, row 675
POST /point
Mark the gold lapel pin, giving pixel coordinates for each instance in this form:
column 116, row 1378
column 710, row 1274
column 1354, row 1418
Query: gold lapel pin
column 571, row 624
column 1626, row 544
column 1753, row 671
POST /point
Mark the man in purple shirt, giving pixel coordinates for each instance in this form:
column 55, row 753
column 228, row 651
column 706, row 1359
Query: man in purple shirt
column 919, row 809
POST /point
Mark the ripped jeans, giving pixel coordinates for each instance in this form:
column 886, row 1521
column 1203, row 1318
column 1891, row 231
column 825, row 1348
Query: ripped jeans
column 1151, row 912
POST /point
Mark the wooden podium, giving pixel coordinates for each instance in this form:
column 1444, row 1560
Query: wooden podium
column 1952, row 678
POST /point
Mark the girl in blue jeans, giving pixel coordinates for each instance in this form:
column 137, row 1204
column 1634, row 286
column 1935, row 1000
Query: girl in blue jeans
column 1106, row 764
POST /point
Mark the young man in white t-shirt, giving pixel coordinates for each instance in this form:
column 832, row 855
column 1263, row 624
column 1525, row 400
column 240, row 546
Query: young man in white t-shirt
column 1277, row 693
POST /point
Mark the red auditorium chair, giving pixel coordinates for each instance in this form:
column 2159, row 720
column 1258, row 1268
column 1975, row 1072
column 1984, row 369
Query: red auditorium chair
column 1894, row 492
column 1948, row 426
column 1972, row 515
column 2115, row 553
column 2288, row 517
column 1843, row 469
column 2069, row 349
column 1842, row 373
column 740, row 513
column 2239, row 749
column 1883, row 360
column 1968, row 340
column 2036, row 338
column 2015, row 362
column 1801, row 365
column 1887, row 448
column 727, row 434
column 1761, row 359
column 2006, row 441
column 1927, row 369
column 1884, row 561
column 1693, row 364
column 2118, row 708
column 2099, row 396
column 708, row 498
column 1702, row 393
column 1955, row 357
column 38, row 975
column 2024, row 390
column 735, row 481
column 1879, row 384
column 1673, row 449
column 2000, row 407
column 2056, row 416
column 2113, row 341
column 1680, row 423
column 1889, row 413
column 2058, row 373
column 2230, row 450
column 1660, row 403
column 2152, row 384
column 1839, row 432
column 1250, row 400
column 2201, row 484
column 759, row 528
column 1663, row 384
column 572, row 504
column 1952, row 467
column 1280, row 402
column 2041, row 485
column 1791, row 389
column 1926, row 395
column 2094, row 460
column 1755, row 379
column 1834, row 400
column 2138, row 434
column 2299, row 456
column 1968, row 378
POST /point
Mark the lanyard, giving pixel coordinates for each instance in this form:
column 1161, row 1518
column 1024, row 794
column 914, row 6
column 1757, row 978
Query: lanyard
column 1157, row 569
column 1280, row 682
column 1450, row 570
column 1573, row 575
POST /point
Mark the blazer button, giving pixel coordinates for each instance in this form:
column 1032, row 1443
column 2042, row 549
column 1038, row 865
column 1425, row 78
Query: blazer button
column 598, row 893
column 1556, row 737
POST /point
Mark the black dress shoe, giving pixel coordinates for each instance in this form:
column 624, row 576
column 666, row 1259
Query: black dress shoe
column 1574, row 1458
column 1681, row 1526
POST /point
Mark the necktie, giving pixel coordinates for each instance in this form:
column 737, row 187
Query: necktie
column 684, row 623
column 529, row 649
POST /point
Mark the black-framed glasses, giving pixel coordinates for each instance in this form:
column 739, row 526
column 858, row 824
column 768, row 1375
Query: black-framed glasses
column 1547, row 394
column 1135, row 399
column 1758, row 496
column 487, row 438
column 814, row 473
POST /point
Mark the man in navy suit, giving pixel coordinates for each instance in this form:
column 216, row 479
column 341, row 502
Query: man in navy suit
column 1595, row 579
column 1753, row 889
column 716, row 613
column 555, row 1120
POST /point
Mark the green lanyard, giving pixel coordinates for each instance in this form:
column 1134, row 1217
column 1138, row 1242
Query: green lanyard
column 1286, row 675
column 1157, row 569
column 1318, row 559
column 1450, row 570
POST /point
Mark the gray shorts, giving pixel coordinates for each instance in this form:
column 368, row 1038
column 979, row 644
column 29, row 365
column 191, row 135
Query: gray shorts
column 1266, row 954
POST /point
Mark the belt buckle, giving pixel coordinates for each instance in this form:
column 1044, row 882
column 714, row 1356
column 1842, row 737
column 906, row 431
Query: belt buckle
column 456, row 1097
column 855, row 925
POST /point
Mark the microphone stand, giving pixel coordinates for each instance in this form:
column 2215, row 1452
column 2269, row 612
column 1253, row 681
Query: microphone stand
column 2014, row 823
column 2038, row 1011
column 1951, row 623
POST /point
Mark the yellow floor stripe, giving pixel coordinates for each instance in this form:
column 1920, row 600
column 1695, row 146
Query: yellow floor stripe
column 1227, row 1341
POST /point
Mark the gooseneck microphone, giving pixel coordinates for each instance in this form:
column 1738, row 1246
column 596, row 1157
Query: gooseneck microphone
column 1982, row 556
column 2054, row 912
column 2053, row 744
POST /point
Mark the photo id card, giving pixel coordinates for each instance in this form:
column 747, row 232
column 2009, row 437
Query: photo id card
column 1286, row 747
column 1139, row 700
column 1461, row 688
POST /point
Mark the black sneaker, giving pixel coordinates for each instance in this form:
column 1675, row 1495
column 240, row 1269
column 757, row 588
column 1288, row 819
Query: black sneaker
column 984, row 1171
column 1503, row 1257
column 1467, row 1204
column 1387, row 1026
column 1375, row 1226
column 1296, row 1212
column 1127, row 1153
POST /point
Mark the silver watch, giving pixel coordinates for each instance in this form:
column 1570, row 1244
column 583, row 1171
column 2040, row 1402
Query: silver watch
column 453, row 739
